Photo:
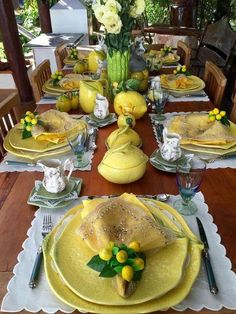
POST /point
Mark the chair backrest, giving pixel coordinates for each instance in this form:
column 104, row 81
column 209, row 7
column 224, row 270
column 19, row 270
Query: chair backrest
column 38, row 77
column 61, row 53
column 215, row 83
column 233, row 111
column 217, row 43
column 184, row 51
column 8, row 117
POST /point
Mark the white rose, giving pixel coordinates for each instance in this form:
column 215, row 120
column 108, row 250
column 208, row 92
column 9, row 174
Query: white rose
column 137, row 9
column 113, row 6
column 112, row 22
column 99, row 12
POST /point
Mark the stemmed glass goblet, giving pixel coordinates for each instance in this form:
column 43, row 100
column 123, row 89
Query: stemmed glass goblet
column 189, row 177
column 77, row 143
column 159, row 100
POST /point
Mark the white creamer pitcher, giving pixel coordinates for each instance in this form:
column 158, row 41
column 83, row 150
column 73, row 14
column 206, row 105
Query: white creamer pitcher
column 170, row 149
column 55, row 180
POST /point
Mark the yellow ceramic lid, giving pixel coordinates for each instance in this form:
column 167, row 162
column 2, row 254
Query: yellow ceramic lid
column 123, row 135
column 124, row 157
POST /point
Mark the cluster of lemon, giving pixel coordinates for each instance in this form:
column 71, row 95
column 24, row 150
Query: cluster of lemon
column 166, row 49
column 180, row 70
column 127, row 261
column 73, row 54
column 29, row 119
column 218, row 115
column 57, row 76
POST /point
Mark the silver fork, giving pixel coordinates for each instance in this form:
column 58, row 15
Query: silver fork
column 46, row 228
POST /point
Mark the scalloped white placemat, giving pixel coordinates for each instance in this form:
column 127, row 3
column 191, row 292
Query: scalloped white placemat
column 212, row 162
column 20, row 297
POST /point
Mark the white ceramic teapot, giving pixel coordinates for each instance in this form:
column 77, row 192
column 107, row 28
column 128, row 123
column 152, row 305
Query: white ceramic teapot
column 54, row 180
column 170, row 149
column 101, row 108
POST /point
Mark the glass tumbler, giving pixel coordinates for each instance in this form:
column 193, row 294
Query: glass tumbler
column 189, row 177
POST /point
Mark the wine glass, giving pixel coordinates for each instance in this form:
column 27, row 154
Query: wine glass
column 159, row 99
column 77, row 143
column 189, row 177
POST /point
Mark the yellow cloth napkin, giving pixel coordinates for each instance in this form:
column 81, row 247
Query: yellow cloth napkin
column 55, row 126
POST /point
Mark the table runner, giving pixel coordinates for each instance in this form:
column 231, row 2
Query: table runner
column 20, row 296
column 212, row 162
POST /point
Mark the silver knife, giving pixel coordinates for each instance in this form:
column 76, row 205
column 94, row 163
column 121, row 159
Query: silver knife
column 206, row 258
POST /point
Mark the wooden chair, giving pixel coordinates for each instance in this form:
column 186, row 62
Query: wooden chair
column 38, row 77
column 233, row 111
column 8, row 117
column 216, row 45
column 60, row 53
column 215, row 83
column 184, row 51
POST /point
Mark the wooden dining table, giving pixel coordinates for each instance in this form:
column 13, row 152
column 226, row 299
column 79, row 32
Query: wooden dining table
column 218, row 188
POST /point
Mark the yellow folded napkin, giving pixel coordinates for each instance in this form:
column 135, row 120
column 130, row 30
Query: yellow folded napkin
column 56, row 125
column 178, row 82
column 196, row 127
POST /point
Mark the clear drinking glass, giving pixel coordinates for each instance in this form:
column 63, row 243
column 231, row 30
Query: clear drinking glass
column 160, row 99
column 189, row 177
column 77, row 143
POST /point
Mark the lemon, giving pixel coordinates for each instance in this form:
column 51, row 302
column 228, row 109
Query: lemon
column 27, row 119
column 63, row 104
column 139, row 263
column 75, row 101
column 216, row 111
column 137, row 75
column 145, row 74
column 105, row 254
column 22, row 121
column 222, row 113
column 218, row 117
column 212, row 118
column 122, row 256
column 93, row 59
column 79, row 67
column 135, row 246
column 110, row 245
column 127, row 273
column 34, row 121
column 28, row 112
column 126, row 119
column 28, row 128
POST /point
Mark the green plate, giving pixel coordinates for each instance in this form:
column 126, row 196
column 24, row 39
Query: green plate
column 94, row 118
column 61, row 204
column 159, row 163
column 43, row 193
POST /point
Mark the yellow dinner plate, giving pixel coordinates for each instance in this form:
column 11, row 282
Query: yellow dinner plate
column 71, row 250
column 30, row 144
column 33, row 156
column 168, row 60
column 210, row 150
column 50, row 92
column 57, row 88
column 173, row 297
column 196, row 84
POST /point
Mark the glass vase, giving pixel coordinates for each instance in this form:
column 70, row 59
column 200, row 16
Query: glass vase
column 118, row 66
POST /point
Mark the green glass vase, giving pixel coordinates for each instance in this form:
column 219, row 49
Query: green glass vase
column 118, row 66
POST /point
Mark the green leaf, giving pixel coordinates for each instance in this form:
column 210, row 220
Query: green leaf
column 96, row 263
column 26, row 134
column 132, row 84
column 113, row 262
column 118, row 269
column 107, row 272
column 115, row 250
column 137, row 275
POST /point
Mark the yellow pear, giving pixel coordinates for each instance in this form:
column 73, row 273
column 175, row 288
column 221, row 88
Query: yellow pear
column 87, row 94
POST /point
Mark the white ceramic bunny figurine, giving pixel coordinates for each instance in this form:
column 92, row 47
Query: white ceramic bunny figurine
column 170, row 149
column 101, row 109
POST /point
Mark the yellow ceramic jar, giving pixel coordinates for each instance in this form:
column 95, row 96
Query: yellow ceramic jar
column 123, row 164
column 93, row 59
column 87, row 94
